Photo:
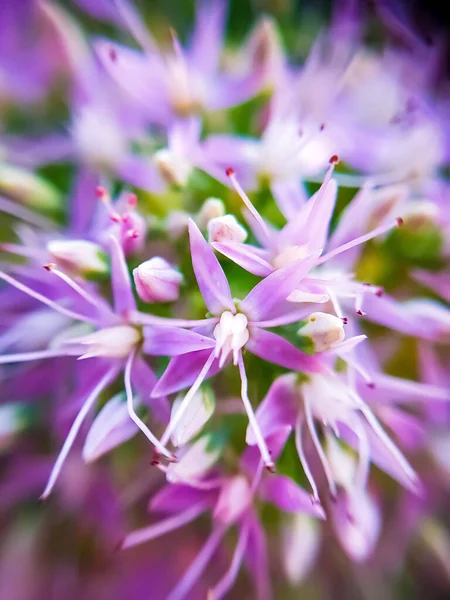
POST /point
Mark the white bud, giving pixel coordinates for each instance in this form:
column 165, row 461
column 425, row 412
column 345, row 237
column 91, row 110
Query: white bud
column 201, row 408
column 226, row 229
column 28, row 188
column 111, row 427
column 173, row 168
column 211, row 209
column 324, row 330
column 99, row 138
column 235, row 497
column 78, row 255
column 300, row 545
column 157, row 281
column 195, row 462
column 112, row 342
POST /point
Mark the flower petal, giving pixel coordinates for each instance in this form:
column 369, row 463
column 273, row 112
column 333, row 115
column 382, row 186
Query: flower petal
column 277, row 350
column 210, row 277
column 173, row 341
column 287, row 495
column 275, row 288
column 246, row 256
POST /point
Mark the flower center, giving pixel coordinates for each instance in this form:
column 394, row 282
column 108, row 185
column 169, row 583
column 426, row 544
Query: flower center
column 231, row 335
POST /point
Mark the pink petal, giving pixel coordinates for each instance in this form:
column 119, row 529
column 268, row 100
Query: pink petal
column 278, row 350
column 287, row 495
column 121, row 282
column 177, row 497
column 290, row 197
column 246, row 256
column 274, row 289
column 173, row 341
column 210, row 277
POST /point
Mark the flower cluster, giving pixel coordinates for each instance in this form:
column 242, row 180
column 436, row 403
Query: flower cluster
column 225, row 286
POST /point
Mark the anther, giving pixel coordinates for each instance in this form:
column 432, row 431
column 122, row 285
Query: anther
column 49, row 266
column 132, row 200
column 101, row 192
column 400, row 221
column 344, row 320
column 229, row 171
column 379, row 292
column 360, row 313
column 334, row 159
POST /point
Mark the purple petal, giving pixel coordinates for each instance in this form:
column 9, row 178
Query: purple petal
column 287, row 495
column 246, row 256
column 141, row 173
column 438, row 282
column 182, row 371
column 172, row 341
column 83, row 201
column 121, row 282
column 357, row 521
column 176, row 497
column 274, row 289
column 256, row 557
column 290, row 197
column 206, row 43
column 144, row 380
column 209, row 274
column 278, row 410
column 277, row 350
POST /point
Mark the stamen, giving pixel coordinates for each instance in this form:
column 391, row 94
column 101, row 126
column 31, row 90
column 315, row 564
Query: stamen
column 320, row 451
column 362, row 473
column 357, row 241
column 88, row 404
column 103, row 195
column 142, row 426
column 252, row 418
column 248, row 203
column 186, row 401
column 51, row 267
column 358, row 368
column 303, row 460
column 64, row 311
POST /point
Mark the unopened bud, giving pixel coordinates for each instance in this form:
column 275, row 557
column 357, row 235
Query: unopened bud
column 211, row 209
column 28, row 188
column 226, row 229
column 195, row 462
column 80, row 256
column 157, row 281
column 174, row 169
column 324, row 331
column 200, row 410
column 235, row 497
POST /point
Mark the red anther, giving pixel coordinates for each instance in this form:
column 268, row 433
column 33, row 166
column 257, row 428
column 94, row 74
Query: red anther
column 154, row 462
column 115, row 217
column 49, row 266
column 112, row 54
column 132, row 200
column 126, row 218
column 322, row 127
column 271, row 468
column 400, row 221
column 334, row 159
column 101, row 192
column 360, row 313
column 379, row 292
column 119, row 545
column 344, row 320
column 229, row 171
column 133, row 234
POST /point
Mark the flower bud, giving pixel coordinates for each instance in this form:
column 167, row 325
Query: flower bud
column 111, row 342
column 173, row 168
column 300, row 544
column 201, row 408
column 78, row 255
column 323, row 330
column 235, row 497
column 28, row 188
column 195, row 462
column 111, row 427
column 226, row 229
column 157, row 281
column 211, row 209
